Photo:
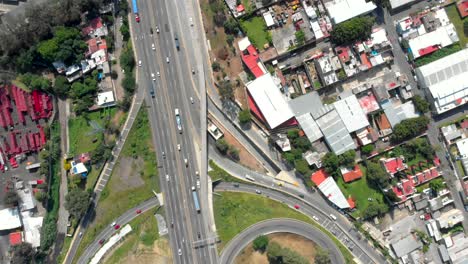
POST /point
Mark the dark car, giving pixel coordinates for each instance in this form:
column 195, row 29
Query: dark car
column 177, row 42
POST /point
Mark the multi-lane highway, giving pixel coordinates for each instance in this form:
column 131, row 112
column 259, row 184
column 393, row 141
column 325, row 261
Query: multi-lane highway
column 280, row 225
column 190, row 237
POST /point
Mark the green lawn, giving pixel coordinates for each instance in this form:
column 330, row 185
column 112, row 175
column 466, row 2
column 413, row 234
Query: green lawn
column 235, row 212
column 454, row 17
column 217, row 173
column 360, row 191
column 144, row 233
column 119, row 195
column 256, row 31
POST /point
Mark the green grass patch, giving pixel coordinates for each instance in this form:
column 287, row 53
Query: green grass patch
column 217, row 173
column 235, row 212
column 21, row 85
column 360, row 190
column 65, row 247
column 92, row 177
column 460, row 168
column 415, row 162
column 118, row 196
column 145, row 232
column 439, row 54
column 456, row 121
column 457, row 21
column 83, row 137
column 256, row 31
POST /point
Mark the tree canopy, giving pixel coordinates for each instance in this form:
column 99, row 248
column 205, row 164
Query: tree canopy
column 357, row 28
column 376, row 175
column 421, row 105
column 245, row 117
column 322, row 257
column 22, row 253
column 260, row 243
column 66, row 45
column 409, row 128
column 76, row 202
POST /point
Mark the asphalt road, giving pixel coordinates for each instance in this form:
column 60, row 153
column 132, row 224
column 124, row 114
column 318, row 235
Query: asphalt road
column 109, row 231
column 312, row 206
column 238, row 243
column 174, row 87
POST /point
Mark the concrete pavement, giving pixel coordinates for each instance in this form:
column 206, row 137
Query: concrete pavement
column 283, row 225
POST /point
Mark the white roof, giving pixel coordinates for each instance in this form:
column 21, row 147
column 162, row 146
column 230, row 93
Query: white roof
column 379, row 36
column 32, row 229
column 443, row 36
column 446, row 80
column 398, row 3
column 330, row 189
column 269, row 100
column 459, row 251
column 450, row 218
column 342, row 10
column 27, row 201
column 9, row 219
column 462, row 146
column 310, row 127
column 316, row 28
column 399, row 112
column 105, row 98
column 351, row 113
column 244, row 43
column 310, row 11
column 335, row 132
column 78, row 168
column 268, row 19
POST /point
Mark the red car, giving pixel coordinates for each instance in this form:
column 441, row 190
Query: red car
column 137, row 18
column 101, row 241
column 297, row 206
column 116, row 227
column 138, row 211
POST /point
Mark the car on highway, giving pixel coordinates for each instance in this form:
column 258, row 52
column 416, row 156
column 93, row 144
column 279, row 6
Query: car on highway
column 258, row 192
column 139, row 63
column 198, row 184
column 196, row 173
column 159, row 75
column 151, row 31
column 138, row 211
column 80, row 234
column 178, row 147
column 176, row 39
column 113, row 223
column 167, row 177
column 152, row 77
column 315, row 218
column 297, row 206
column 157, row 29
column 180, row 252
column 186, row 162
column 193, row 70
column 116, row 227
column 101, row 242
column 191, row 22
column 152, row 47
column 191, row 100
column 167, row 59
column 164, row 155
column 137, row 18
column 199, row 235
column 193, row 188
column 333, row 217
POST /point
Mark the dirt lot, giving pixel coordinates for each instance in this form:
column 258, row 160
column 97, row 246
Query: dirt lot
column 160, row 253
column 246, row 159
column 125, row 171
column 297, row 243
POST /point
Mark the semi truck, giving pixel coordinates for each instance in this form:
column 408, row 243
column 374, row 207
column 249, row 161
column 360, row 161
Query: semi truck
column 178, row 120
column 135, row 10
column 195, row 199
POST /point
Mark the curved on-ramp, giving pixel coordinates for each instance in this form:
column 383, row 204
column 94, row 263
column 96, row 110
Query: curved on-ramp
column 280, row 225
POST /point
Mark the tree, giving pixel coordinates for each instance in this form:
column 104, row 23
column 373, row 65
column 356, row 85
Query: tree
column 421, row 105
column 375, row 209
column 302, row 143
column 367, row 149
column 376, row 175
column 245, row 117
column 357, row 28
column 293, row 133
column 330, row 163
column 226, row 90
column 22, row 253
column 260, row 243
column 322, row 257
column 128, row 83
column 300, row 37
column 222, row 146
column 289, row 157
column 40, row 196
column 11, row 198
column 273, row 252
column 409, row 128
column 292, row 257
column 230, row 26
column 125, row 31
column 347, row 159
column 302, row 167
column 230, row 39
column 61, row 86
column 233, row 153
column 215, row 66
column 76, row 202
column 24, row 61
column 436, row 185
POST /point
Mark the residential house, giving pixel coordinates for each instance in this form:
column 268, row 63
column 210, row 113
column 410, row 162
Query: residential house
column 96, row 28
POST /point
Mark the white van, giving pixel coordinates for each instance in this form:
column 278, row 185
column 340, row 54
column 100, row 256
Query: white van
column 333, row 217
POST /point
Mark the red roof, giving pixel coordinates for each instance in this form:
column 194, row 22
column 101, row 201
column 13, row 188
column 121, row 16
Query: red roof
column 351, row 202
column 343, row 53
column 250, row 58
column 365, row 60
column 463, row 8
column 428, row 50
column 240, row 8
column 93, row 25
column 15, row 238
column 319, row 176
column 353, row 175
column 394, row 165
column 96, row 44
column 464, row 124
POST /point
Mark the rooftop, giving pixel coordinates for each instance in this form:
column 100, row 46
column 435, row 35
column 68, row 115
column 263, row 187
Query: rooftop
column 9, row 219
column 353, row 174
column 16, row 238
column 462, row 7
column 405, row 246
column 398, row 3
column 397, row 112
column 329, row 188
column 334, row 130
column 250, row 57
column 458, row 252
column 426, row 43
column 369, row 103
column 351, row 113
column 342, row 10
column 450, row 218
column 393, row 165
column 106, row 98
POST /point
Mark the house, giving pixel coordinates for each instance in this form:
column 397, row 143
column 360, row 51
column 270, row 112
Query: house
column 16, row 238
column 451, row 133
column 462, row 7
column 462, row 146
column 449, row 219
column 393, row 165
column 405, row 246
column 351, row 113
column 313, row 158
column 401, row 4
column 445, row 81
column 59, row 66
column 342, row 10
column 397, row 112
column 94, row 45
column 428, row 43
column 303, row 107
column 267, row 102
column 327, row 67
column 78, row 169
column 95, row 28
column 9, row 219
column 329, row 189
column 250, row 57
column 84, row 158
column 352, row 174
column 269, row 19
column 106, row 99
column 458, row 249
column 214, row 131
column 283, row 142
column 348, row 60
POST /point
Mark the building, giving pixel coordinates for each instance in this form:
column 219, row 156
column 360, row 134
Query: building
column 78, row 169
column 342, row 10
column 327, row 67
column 106, row 99
column 445, row 81
column 462, row 7
column 405, row 246
column 458, row 250
column 95, row 29
column 214, row 131
column 329, row 189
column 400, row 4
column 250, row 57
column 94, row 45
column 16, row 238
column 313, row 158
column 393, row 165
column 351, row 113
column 427, row 43
column 283, row 143
column 303, row 107
column 9, row 219
column 397, row 112
column 449, row 219
column 352, row 174
column 267, row 102
column 268, row 19
column 451, row 133
column 462, row 146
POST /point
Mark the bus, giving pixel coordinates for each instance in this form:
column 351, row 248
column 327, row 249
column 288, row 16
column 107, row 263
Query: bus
column 195, row 200
column 135, row 10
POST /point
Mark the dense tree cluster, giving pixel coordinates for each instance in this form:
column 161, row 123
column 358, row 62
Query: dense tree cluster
column 66, row 45
column 76, row 202
column 245, row 117
column 421, row 105
column 331, row 162
column 376, row 176
column 322, row 257
column 22, row 253
column 260, row 243
column 226, row 149
column 409, row 128
column 357, row 28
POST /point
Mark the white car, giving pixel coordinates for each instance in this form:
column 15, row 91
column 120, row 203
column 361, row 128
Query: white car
column 139, row 63
column 315, row 218
column 167, row 59
column 178, row 147
column 167, row 177
column 191, row 100
column 198, row 184
column 157, row 29
column 152, row 77
column 191, row 22
column 186, row 162
column 180, row 252
column 152, row 47
column 113, row 223
column 159, row 75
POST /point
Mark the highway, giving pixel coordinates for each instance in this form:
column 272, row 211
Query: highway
column 280, row 225
column 109, row 231
column 188, row 229
column 342, row 229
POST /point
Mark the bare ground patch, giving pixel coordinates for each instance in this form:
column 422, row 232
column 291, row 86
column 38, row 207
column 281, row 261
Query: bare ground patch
column 128, row 174
column 160, row 253
column 301, row 245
